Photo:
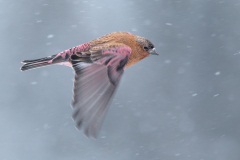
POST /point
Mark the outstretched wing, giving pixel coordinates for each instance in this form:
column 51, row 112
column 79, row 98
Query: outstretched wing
column 94, row 86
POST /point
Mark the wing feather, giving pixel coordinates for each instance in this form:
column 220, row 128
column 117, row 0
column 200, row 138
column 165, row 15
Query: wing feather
column 94, row 86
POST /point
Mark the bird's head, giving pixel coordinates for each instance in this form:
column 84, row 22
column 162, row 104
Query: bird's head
column 147, row 45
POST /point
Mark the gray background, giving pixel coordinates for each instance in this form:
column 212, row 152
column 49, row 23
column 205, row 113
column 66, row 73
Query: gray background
column 181, row 105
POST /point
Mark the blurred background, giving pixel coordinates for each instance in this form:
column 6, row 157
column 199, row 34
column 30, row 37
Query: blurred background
column 181, row 105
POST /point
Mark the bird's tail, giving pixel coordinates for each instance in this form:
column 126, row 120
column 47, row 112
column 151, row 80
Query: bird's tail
column 31, row 64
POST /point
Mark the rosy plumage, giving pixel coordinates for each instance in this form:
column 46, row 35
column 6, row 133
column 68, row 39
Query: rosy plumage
column 98, row 65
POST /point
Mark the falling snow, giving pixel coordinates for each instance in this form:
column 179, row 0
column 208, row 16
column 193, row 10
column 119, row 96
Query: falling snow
column 33, row 83
column 180, row 105
column 50, row 36
column 216, row 95
column 168, row 24
column 237, row 53
column 217, row 73
column 39, row 21
column 194, row 94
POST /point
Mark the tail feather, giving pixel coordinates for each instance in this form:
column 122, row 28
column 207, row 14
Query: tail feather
column 39, row 60
column 31, row 64
column 28, row 66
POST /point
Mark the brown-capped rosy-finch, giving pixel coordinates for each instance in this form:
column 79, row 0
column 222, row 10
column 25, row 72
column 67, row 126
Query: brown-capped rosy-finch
column 98, row 65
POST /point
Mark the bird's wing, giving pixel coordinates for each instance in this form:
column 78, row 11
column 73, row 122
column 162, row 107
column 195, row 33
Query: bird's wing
column 94, row 86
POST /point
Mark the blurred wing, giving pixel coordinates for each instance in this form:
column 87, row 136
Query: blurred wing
column 94, row 86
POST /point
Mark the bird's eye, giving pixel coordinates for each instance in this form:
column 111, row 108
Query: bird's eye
column 145, row 48
column 151, row 46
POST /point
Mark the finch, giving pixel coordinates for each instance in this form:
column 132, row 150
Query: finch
column 99, row 66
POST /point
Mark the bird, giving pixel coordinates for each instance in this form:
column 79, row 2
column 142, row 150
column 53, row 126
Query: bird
column 99, row 65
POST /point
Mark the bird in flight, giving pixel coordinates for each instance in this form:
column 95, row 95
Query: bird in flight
column 99, row 65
